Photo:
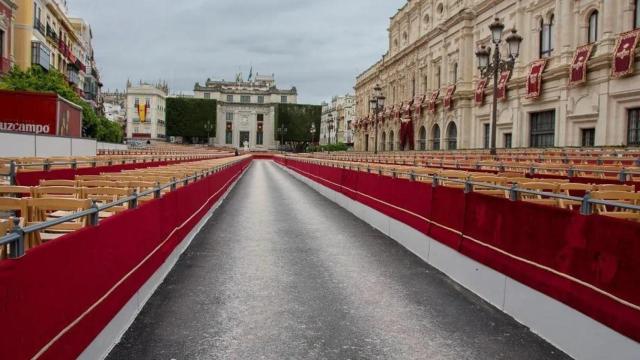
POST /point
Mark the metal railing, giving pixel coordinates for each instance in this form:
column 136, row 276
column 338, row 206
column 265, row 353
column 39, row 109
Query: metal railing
column 514, row 191
column 16, row 239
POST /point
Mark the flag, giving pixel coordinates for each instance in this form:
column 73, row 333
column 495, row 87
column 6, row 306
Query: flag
column 250, row 74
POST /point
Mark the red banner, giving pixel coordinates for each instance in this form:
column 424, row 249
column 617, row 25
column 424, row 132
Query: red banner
column 534, row 79
column 406, row 109
column 578, row 71
column 432, row 100
column 502, row 84
column 624, row 54
column 479, row 94
column 448, row 98
column 406, row 133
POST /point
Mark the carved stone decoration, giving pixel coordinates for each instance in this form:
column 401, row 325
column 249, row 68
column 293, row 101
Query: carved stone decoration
column 4, row 20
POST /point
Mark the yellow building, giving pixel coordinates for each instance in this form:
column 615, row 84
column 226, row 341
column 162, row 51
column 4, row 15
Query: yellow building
column 44, row 36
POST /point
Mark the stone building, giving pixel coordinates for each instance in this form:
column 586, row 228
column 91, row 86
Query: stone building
column 431, row 63
column 246, row 109
column 7, row 18
column 341, row 111
column 146, row 111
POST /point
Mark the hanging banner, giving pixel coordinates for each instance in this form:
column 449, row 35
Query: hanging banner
column 479, row 94
column 624, row 54
column 406, row 109
column 397, row 111
column 502, row 85
column 406, row 133
column 448, row 98
column 578, row 70
column 432, row 101
column 417, row 104
column 534, row 80
column 142, row 111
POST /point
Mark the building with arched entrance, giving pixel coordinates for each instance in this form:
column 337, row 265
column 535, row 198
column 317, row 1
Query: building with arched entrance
column 586, row 93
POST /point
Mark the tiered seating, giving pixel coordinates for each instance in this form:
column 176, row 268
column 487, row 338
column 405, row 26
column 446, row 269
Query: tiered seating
column 57, row 198
column 536, row 190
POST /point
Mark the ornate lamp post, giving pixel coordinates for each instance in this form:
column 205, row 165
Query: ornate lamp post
column 497, row 65
column 282, row 130
column 313, row 132
column 377, row 104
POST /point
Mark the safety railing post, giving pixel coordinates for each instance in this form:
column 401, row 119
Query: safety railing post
column 133, row 203
column 622, row 176
column 434, row 182
column 468, row 187
column 412, row 176
column 156, row 191
column 17, row 248
column 571, row 172
column 514, row 194
column 94, row 218
column 12, row 172
column 46, row 165
column 586, row 207
column 74, row 164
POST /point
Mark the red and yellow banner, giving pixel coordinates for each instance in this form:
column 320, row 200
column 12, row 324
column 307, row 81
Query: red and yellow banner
column 432, row 100
column 624, row 54
column 479, row 94
column 534, row 79
column 448, row 98
column 502, row 85
column 578, row 70
column 142, row 111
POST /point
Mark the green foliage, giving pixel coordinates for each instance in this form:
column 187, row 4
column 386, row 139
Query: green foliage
column 329, row 147
column 188, row 117
column 36, row 79
column 297, row 118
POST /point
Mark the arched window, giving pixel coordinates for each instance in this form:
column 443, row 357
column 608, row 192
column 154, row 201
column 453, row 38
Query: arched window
column 384, row 139
column 423, row 138
column 435, row 137
column 593, row 27
column 455, row 73
column 391, row 140
column 546, row 37
column 452, row 136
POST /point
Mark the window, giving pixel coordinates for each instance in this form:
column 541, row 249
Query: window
column 283, row 99
column 435, row 137
column 588, row 137
column 229, row 98
column 424, row 85
column 259, row 131
column 455, row 73
column 229, row 133
column 593, row 27
column 438, row 84
column 507, row 141
column 207, row 95
column 546, row 37
column 260, row 99
column 542, row 129
column 40, row 55
column 245, row 99
column 391, row 140
column 487, row 136
column 229, row 116
column 413, row 87
column 423, row 138
column 633, row 130
column 452, row 136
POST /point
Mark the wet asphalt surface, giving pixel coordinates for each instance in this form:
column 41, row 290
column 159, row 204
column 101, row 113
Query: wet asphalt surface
column 280, row 272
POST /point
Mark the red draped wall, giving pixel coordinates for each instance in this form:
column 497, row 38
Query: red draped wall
column 83, row 279
column 591, row 263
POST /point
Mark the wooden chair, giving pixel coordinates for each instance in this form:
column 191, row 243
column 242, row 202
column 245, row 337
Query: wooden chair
column 101, row 183
column 40, row 209
column 66, row 192
column 615, row 187
column 90, row 177
column 488, row 179
column 105, row 195
column 15, row 191
column 622, row 197
column 567, row 189
column 68, row 183
column 540, row 187
column 13, row 206
column 455, row 175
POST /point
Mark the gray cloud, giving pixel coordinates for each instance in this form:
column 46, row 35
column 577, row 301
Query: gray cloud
column 317, row 46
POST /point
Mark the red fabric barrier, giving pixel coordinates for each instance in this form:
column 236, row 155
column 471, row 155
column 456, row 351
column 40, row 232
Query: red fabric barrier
column 32, row 178
column 58, row 297
column 591, row 263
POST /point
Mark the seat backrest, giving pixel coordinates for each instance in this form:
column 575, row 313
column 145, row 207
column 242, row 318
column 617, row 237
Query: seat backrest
column 101, row 183
column 615, row 187
column 496, row 180
column 539, row 186
column 91, row 177
column 56, row 191
column 38, row 208
column 107, row 194
column 54, row 182
column 626, row 196
column 13, row 190
column 16, row 205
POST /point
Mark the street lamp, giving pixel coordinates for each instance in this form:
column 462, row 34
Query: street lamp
column 330, row 126
column 377, row 104
column 282, row 130
column 497, row 65
column 313, row 132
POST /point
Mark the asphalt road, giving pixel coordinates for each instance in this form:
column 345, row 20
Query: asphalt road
column 280, row 272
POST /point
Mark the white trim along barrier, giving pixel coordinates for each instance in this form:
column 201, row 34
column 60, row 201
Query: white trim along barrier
column 110, row 336
column 32, row 145
column 567, row 329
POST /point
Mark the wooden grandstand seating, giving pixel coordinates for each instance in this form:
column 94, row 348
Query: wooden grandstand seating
column 68, row 192
column 16, row 191
column 105, row 195
column 488, row 179
column 6, row 225
column 615, row 187
column 623, row 197
column 69, row 183
column 40, row 210
column 570, row 189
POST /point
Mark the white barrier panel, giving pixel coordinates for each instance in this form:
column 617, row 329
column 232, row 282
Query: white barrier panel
column 32, row 145
column 52, row 146
column 83, row 147
column 17, row 144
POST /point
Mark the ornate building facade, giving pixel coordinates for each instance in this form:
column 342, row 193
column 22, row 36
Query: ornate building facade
column 341, row 111
column 146, row 111
column 575, row 83
column 246, row 110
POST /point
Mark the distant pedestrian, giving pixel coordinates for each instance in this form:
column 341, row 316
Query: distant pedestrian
column 236, row 152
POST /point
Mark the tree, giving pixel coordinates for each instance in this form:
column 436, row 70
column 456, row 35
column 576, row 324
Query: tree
column 189, row 118
column 297, row 118
column 36, row 79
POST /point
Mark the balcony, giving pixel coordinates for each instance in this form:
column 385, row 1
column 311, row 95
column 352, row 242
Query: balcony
column 40, row 27
column 5, row 65
column 40, row 55
column 73, row 77
column 51, row 34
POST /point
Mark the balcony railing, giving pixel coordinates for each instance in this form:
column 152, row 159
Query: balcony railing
column 51, row 34
column 40, row 27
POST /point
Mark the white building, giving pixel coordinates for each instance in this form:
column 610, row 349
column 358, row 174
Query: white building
column 146, row 111
column 246, row 110
column 341, row 113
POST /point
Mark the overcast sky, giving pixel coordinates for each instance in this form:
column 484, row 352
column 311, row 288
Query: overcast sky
column 317, row 46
